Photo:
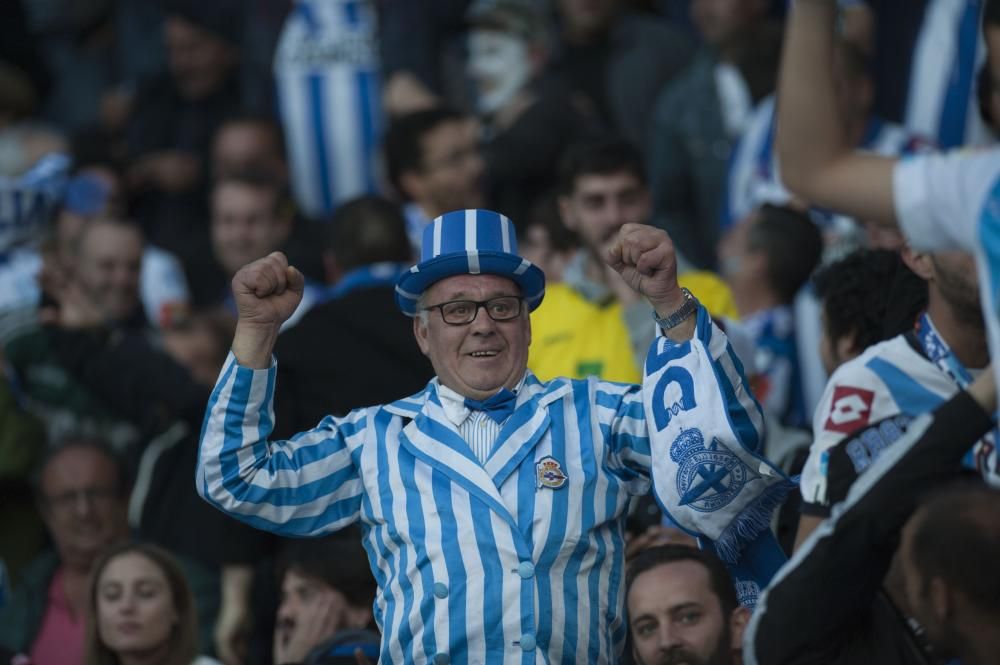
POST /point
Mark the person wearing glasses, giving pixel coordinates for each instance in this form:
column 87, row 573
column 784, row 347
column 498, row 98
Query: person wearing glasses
column 82, row 493
column 492, row 504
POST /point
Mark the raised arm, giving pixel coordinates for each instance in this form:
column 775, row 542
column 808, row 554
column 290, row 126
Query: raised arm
column 817, row 161
column 305, row 486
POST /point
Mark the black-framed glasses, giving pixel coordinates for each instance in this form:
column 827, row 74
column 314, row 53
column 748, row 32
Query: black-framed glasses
column 464, row 312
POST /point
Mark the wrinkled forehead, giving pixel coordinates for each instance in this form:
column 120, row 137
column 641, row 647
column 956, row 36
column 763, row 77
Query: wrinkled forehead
column 472, row 287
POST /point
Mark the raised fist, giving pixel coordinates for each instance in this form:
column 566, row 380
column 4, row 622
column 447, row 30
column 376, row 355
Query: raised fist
column 267, row 291
column 644, row 256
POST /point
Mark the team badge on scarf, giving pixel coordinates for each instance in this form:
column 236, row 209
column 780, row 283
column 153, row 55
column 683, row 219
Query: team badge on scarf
column 708, row 478
column 549, row 473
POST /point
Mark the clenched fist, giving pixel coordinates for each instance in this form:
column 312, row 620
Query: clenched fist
column 267, row 292
column 644, row 256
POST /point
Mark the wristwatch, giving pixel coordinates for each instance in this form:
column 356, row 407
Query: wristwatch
column 679, row 315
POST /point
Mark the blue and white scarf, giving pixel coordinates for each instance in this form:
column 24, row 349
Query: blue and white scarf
column 939, row 353
column 717, row 487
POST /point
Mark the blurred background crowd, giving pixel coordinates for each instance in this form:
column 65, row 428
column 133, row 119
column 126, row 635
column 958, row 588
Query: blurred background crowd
column 150, row 148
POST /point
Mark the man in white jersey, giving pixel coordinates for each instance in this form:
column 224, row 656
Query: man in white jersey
column 949, row 201
column 491, row 503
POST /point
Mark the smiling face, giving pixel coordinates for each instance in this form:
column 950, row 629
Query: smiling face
column 479, row 358
column 135, row 607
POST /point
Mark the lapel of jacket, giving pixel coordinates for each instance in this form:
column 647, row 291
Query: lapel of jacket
column 433, row 439
column 525, row 427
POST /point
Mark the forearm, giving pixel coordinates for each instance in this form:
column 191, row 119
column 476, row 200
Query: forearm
column 253, row 345
column 810, row 133
column 306, row 486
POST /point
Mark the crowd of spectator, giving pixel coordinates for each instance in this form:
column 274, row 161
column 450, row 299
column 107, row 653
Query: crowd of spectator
column 150, row 150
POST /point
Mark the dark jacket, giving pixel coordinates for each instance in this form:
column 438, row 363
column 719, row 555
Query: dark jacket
column 21, row 618
column 826, row 606
column 356, row 350
column 151, row 390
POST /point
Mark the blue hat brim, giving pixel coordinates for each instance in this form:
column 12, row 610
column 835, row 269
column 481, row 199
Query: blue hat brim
column 412, row 283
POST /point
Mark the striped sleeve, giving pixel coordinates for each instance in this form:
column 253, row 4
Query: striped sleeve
column 306, row 486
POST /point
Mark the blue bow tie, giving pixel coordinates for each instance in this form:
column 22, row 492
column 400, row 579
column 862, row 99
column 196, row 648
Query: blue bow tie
column 498, row 407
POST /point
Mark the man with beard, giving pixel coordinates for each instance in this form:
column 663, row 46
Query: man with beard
column 907, row 375
column 682, row 608
column 593, row 324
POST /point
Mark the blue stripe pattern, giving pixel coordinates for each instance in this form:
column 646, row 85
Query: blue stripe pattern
column 955, row 112
column 473, row 565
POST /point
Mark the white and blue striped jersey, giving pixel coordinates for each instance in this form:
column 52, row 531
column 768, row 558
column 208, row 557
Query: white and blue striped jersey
column 518, row 559
column 754, row 174
column 889, row 379
column 326, row 71
column 942, row 102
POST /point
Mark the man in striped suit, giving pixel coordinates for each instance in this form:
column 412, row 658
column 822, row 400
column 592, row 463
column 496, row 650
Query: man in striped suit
column 491, row 503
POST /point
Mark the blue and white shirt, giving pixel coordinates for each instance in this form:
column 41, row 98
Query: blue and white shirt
column 889, row 379
column 517, row 559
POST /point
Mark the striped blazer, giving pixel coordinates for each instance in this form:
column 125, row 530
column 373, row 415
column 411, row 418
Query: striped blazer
column 520, row 559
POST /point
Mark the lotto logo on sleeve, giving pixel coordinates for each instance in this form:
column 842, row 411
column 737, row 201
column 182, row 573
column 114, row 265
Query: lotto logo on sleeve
column 850, row 409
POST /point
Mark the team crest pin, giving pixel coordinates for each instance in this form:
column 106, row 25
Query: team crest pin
column 550, row 473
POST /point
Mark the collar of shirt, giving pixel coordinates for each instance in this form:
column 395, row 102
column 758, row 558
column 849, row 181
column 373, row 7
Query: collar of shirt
column 453, row 403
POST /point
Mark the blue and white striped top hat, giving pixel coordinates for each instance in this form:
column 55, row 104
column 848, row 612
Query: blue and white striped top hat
column 469, row 242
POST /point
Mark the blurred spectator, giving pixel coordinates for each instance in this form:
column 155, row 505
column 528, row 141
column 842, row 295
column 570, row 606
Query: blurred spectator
column 925, row 58
column 96, row 52
column 175, row 116
column 522, row 115
column 82, row 495
column 418, row 43
column 34, row 170
column 944, row 557
column 105, row 276
column 249, row 143
column 869, row 296
column 699, row 117
column 357, row 349
column 765, row 260
column 545, row 241
column 24, row 78
column 94, row 192
column 907, row 375
column 252, row 217
column 326, row 72
column 618, row 60
column 163, row 396
column 327, row 592
column 594, row 323
column 140, row 607
column 754, row 175
column 435, row 165
column 683, row 608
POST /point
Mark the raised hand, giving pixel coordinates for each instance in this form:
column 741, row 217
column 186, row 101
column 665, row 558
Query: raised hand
column 644, row 256
column 267, row 291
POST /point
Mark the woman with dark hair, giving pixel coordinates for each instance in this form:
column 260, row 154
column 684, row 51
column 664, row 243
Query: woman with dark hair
column 141, row 610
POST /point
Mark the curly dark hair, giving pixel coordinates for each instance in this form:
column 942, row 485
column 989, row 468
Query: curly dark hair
column 871, row 295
